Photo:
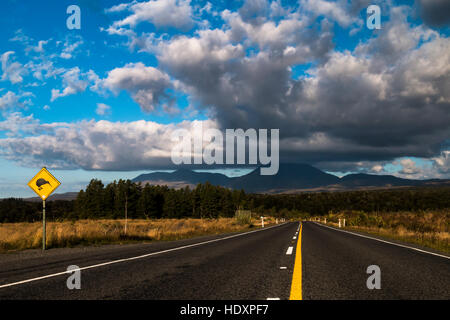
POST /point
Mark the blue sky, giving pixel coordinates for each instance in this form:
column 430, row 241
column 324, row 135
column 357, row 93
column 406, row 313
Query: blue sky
column 102, row 101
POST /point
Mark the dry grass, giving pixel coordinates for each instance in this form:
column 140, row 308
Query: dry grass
column 20, row 236
column 428, row 229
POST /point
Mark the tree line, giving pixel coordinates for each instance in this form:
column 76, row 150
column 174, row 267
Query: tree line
column 124, row 198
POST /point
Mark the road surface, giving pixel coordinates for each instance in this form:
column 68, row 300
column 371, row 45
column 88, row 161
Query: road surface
column 280, row 262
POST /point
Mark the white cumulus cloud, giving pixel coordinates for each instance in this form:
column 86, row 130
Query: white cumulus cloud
column 12, row 71
column 147, row 85
column 92, row 145
column 161, row 13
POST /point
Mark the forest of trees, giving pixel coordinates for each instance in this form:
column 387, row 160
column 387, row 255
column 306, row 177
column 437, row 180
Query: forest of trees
column 124, row 197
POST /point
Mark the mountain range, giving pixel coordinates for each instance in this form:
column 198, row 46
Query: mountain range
column 290, row 178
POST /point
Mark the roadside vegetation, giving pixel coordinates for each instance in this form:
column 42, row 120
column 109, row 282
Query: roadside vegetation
column 425, row 228
column 124, row 198
column 25, row 235
column 418, row 215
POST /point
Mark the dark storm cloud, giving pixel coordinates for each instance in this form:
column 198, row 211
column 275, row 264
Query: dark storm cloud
column 387, row 99
column 435, row 13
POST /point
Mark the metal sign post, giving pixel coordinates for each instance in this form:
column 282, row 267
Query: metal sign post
column 44, row 237
column 44, row 183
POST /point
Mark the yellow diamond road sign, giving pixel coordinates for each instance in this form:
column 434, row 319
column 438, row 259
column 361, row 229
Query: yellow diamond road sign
column 44, row 183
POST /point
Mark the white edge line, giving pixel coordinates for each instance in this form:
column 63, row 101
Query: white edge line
column 133, row 258
column 388, row 242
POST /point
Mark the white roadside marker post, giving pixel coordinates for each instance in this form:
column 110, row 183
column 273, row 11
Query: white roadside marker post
column 262, row 221
column 339, row 223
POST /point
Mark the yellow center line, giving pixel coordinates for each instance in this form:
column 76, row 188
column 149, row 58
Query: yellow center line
column 296, row 286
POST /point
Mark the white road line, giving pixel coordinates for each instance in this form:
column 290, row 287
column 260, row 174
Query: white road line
column 289, row 250
column 273, row 298
column 132, row 258
column 294, row 238
column 388, row 242
column 283, row 268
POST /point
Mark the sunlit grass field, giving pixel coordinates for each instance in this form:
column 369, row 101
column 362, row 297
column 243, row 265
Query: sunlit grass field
column 21, row 236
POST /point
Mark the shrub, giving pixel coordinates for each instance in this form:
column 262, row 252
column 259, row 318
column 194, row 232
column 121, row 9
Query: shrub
column 243, row 217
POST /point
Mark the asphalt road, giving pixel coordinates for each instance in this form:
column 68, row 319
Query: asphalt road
column 251, row 266
column 335, row 267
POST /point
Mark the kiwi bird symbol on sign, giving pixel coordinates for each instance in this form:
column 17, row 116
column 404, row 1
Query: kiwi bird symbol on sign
column 40, row 182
